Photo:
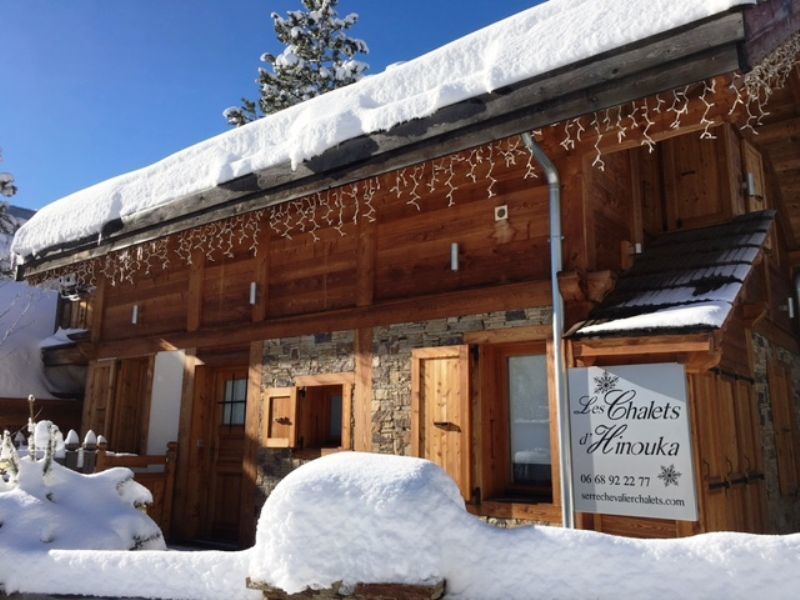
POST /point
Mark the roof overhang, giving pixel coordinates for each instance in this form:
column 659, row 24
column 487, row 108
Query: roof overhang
column 674, row 58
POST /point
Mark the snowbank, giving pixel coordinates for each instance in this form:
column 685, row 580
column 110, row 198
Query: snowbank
column 375, row 518
column 533, row 42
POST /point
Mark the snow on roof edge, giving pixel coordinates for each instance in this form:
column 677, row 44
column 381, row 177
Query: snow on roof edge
column 543, row 38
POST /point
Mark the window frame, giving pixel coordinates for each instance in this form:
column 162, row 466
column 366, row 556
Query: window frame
column 491, row 395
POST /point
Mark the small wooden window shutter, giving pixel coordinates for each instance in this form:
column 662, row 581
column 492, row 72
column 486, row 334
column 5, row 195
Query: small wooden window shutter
column 280, row 425
column 98, row 405
column 440, row 411
column 785, row 429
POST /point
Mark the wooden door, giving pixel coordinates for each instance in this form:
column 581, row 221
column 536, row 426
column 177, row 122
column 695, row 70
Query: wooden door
column 229, row 397
column 440, row 411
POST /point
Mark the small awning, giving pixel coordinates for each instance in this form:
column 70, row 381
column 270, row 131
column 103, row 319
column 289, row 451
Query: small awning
column 685, row 282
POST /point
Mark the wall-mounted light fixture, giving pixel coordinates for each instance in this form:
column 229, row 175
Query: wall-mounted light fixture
column 253, row 293
column 454, row 256
column 135, row 314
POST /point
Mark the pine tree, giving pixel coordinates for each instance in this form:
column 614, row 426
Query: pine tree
column 7, row 187
column 319, row 57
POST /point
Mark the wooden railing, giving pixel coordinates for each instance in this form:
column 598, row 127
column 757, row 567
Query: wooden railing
column 161, row 483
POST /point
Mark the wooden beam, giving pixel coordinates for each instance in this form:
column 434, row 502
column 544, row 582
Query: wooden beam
column 262, row 268
column 365, row 285
column 362, row 403
column 701, row 342
column 420, row 308
column 180, row 505
column 678, row 57
column 98, row 309
column 194, row 301
column 252, row 443
column 511, row 335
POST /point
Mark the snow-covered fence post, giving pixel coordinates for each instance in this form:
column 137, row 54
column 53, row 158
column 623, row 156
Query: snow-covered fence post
column 89, row 452
column 71, row 450
column 31, row 426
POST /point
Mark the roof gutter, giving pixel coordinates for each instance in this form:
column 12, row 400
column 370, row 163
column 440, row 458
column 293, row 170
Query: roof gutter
column 560, row 368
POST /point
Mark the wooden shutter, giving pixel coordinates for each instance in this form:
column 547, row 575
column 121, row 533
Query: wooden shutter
column 784, row 427
column 440, row 410
column 280, row 424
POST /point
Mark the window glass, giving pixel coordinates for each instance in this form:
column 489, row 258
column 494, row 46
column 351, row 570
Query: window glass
column 234, row 402
column 529, row 413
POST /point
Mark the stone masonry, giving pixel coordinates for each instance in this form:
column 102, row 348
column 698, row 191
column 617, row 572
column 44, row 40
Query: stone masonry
column 783, row 513
column 287, row 358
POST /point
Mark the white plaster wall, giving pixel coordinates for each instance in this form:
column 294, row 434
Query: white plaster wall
column 165, row 408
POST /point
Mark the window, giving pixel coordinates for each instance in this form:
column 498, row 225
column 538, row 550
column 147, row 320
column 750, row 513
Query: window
column 313, row 415
column 320, row 417
column 529, row 420
column 234, row 402
column 518, row 451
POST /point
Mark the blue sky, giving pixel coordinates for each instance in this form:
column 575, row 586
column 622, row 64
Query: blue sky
column 95, row 88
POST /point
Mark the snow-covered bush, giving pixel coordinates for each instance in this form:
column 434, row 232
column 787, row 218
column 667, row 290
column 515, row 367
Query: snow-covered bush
column 371, row 518
column 45, row 506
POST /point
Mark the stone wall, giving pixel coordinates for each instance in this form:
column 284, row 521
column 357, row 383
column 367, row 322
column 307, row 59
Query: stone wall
column 284, row 360
column 287, row 358
column 783, row 513
column 391, row 366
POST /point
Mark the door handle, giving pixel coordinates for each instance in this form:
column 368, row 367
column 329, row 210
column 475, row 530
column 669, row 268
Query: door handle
column 446, row 425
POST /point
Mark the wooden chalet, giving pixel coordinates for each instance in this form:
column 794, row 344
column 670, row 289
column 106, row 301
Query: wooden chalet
column 392, row 294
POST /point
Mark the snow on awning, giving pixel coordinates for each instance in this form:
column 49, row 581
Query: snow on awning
column 536, row 41
column 685, row 281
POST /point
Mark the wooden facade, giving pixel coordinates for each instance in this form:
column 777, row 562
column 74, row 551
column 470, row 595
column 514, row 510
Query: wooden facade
column 366, row 279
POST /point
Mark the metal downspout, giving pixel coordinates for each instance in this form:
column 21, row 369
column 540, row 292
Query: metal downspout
column 561, row 391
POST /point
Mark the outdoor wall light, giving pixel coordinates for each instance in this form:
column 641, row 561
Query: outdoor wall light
column 454, row 256
column 253, row 293
column 135, row 314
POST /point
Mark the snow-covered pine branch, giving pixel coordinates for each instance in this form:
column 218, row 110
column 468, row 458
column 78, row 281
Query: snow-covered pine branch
column 318, row 57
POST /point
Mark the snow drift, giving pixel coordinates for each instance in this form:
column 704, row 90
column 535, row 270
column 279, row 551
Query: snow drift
column 374, row 518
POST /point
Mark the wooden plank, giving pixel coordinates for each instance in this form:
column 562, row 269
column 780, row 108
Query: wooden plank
column 325, row 379
column 194, row 302
column 362, row 407
column 643, row 345
column 262, row 277
column 462, row 302
column 512, row 334
column 696, row 52
column 253, row 426
column 365, row 288
column 181, row 508
column 98, row 309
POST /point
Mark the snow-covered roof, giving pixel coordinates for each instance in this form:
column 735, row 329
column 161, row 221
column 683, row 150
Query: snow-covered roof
column 534, row 42
column 27, row 316
column 685, row 281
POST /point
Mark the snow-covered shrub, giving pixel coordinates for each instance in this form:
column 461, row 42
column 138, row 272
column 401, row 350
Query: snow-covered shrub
column 45, row 506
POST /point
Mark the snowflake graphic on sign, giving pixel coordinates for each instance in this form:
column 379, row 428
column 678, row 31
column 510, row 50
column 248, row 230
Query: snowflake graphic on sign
column 605, row 383
column 669, row 475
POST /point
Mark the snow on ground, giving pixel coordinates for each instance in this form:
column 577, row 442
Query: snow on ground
column 27, row 316
column 376, row 518
column 209, row 575
column 533, row 42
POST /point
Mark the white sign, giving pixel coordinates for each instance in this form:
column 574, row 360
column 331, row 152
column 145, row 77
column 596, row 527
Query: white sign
column 631, row 451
